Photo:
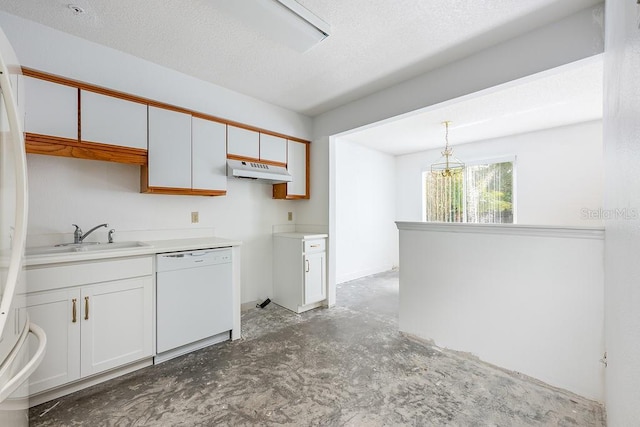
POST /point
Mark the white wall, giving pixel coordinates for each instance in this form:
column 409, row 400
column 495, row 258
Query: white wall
column 64, row 191
column 558, row 174
column 622, row 187
column 366, row 235
column 525, row 299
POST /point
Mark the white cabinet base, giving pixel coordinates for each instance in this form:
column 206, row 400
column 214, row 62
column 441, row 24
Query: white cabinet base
column 302, row 308
column 46, row 396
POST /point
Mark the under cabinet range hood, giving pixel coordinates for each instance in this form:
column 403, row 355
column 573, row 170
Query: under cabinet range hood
column 258, row 171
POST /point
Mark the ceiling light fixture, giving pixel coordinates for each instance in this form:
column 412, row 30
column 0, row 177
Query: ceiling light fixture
column 448, row 163
column 283, row 21
column 77, row 10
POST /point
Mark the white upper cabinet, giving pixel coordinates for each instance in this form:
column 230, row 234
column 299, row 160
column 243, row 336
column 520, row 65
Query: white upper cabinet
column 208, row 155
column 51, row 108
column 297, row 167
column 169, row 149
column 114, row 121
column 273, row 148
column 243, row 142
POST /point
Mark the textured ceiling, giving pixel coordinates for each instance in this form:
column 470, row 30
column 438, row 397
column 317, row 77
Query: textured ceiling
column 373, row 43
column 563, row 96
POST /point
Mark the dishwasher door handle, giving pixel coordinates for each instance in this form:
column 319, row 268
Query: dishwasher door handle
column 197, row 253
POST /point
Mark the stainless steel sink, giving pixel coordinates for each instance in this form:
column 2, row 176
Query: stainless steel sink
column 84, row 247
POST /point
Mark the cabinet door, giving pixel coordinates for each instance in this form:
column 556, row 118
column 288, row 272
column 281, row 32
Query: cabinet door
column 243, row 142
column 169, row 149
column 297, row 167
column 114, row 121
column 208, row 154
column 273, row 148
column 53, row 312
column 51, row 108
column 116, row 322
column 314, row 278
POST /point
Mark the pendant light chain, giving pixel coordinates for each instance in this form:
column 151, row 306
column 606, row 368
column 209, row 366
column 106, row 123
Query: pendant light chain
column 446, row 135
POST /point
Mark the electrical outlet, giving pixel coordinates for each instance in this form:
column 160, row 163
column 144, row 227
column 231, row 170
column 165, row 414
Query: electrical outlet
column 195, row 217
column 290, row 216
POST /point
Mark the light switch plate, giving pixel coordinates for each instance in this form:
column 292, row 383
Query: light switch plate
column 290, row 216
column 195, row 217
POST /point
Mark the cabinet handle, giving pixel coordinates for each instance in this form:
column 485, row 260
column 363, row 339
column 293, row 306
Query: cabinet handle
column 307, row 261
column 74, row 310
column 86, row 308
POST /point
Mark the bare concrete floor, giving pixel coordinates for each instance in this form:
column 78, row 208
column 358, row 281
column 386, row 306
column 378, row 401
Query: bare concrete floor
column 342, row 366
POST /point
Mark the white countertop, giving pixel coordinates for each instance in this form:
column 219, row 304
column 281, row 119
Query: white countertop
column 303, row 236
column 154, row 247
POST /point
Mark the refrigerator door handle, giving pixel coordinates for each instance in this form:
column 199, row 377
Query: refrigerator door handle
column 16, row 137
column 31, row 366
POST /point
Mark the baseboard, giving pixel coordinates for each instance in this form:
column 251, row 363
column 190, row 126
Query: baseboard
column 362, row 273
column 248, row 305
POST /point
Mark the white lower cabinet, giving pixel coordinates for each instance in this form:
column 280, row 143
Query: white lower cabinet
column 314, row 277
column 53, row 312
column 116, row 325
column 91, row 328
column 299, row 270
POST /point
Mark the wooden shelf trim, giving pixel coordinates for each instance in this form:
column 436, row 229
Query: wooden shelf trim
column 146, row 189
column 66, row 147
column 184, row 191
column 280, row 193
column 254, row 160
column 30, row 72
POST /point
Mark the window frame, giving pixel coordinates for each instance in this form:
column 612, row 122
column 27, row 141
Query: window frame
column 478, row 161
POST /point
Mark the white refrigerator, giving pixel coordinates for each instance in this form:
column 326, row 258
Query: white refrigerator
column 22, row 344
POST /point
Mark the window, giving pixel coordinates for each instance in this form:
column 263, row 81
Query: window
column 482, row 193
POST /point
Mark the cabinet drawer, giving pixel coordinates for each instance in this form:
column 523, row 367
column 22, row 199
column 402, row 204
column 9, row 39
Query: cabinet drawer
column 47, row 277
column 316, row 245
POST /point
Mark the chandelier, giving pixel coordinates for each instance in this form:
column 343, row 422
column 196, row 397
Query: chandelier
column 448, row 163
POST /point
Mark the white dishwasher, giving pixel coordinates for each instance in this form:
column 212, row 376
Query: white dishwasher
column 194, row 301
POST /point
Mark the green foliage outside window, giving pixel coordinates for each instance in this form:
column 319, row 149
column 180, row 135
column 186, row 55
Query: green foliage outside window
column 479, row 194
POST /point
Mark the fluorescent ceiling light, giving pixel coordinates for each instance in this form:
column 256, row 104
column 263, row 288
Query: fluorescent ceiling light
column 283, row 21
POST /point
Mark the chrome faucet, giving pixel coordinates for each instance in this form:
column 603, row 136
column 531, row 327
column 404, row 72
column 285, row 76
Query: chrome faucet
column 78, row 236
